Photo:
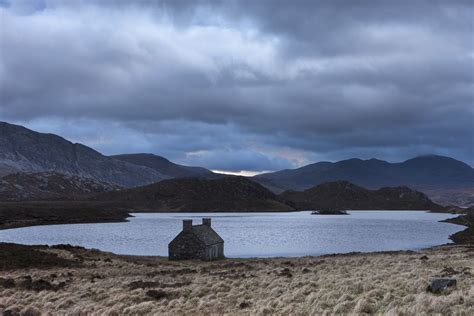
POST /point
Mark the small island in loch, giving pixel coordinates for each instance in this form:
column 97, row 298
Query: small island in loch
column 330, row 212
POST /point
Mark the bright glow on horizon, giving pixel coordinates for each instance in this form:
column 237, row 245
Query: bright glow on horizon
column 244, row 173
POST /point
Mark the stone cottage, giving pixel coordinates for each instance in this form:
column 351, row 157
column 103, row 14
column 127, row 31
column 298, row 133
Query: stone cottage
column 196, row 242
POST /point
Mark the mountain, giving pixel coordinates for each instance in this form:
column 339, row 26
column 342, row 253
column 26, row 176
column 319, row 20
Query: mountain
column 421, row 173
column 167, row 168
column 23, row 150
column 49, row 186
column 343, row 195
column 198, row 194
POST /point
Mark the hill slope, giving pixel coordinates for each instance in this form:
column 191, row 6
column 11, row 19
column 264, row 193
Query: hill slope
column 343, row 195
column 421, row 173
column 198, row 194
column 460, row 197
column 23, row 150
column 165, row 167
column 49, row 186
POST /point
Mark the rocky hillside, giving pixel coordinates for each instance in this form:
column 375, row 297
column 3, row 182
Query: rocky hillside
column 347, row 196
column 460, row 197
column 50, row 186
column 198, row 194
column 23, row 150
column 167, row 168
column 421, row 173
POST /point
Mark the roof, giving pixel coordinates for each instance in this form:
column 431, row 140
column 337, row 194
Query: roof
column 207, row 235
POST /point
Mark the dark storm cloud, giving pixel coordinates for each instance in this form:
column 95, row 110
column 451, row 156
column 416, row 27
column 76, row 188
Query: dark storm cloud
column 254, row 85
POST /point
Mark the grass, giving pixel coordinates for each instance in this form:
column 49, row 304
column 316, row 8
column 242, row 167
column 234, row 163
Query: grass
column 105, row 284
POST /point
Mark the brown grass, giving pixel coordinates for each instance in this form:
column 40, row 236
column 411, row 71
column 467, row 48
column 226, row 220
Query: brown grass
column 387, row 283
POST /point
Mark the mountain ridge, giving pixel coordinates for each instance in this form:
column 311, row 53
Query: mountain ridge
column 166, row 167
column 27, row 151
column 24, row 150
column 426, row 172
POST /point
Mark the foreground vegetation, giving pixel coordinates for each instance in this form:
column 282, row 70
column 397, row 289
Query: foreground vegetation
column 78, row 281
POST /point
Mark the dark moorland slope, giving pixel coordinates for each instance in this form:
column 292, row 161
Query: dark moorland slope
column 466, row 219
column 198, row 194
column 20, row 214
column 50, row 186
column 343, row 195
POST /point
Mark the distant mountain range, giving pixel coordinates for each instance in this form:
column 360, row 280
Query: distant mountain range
column 423, row 173
column 23, row 150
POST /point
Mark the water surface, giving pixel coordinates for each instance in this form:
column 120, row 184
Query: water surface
column 254, row 234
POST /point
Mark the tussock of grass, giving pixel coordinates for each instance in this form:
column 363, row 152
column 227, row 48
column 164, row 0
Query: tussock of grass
column 105, row 284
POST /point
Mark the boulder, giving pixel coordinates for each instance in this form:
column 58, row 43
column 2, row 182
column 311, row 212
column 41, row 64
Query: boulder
column 7, row 283
column 440, row 285
column 157, row 294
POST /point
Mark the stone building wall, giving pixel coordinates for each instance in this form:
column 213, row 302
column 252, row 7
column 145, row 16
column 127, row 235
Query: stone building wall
column 186, row 247
column 215, row 252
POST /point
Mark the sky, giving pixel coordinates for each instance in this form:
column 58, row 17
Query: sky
column 244, row 86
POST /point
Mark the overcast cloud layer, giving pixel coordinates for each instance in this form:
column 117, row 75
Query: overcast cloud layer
column 244, row 85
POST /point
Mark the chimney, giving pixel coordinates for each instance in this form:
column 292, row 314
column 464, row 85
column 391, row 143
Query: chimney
column 206, row 221
column 187, row 225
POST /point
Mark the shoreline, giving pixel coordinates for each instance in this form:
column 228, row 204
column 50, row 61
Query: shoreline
column 24, row 224
column 78, row 248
